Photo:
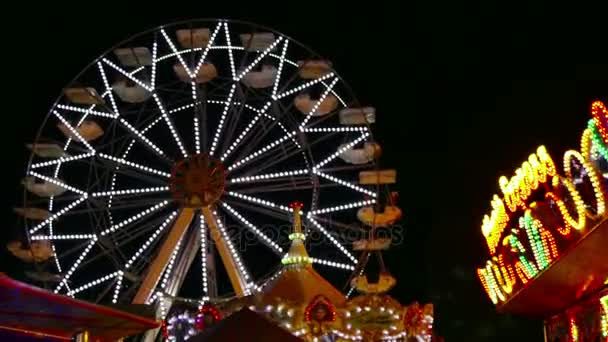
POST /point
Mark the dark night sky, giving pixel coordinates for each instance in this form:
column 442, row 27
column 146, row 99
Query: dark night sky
column 459, row 103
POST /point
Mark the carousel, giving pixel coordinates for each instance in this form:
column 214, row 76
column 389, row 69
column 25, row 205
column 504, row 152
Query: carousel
column 208, row 166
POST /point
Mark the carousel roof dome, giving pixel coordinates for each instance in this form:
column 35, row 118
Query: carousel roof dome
column 298, row 282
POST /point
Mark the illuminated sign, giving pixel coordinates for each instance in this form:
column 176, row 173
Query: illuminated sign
column 540, row 212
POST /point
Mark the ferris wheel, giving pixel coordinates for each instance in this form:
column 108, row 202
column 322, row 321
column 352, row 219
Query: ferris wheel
column 173, row 158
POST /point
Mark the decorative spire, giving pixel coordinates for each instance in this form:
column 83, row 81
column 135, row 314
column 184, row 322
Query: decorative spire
column 297, row 255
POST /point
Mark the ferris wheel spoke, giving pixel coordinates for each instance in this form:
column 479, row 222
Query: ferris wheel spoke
column 280, row 215
column 128, row 75
column 277, row 79
column 245, row 131
column 87, row 111
column 95, row 282
column 74, row 132
column 324, row 231
column 261, row 151
column 179, row 56
column 230, row 54
column 170, row 124
column 124, row 162
column 345, row 183
column 285, row 186
column 167, row 253
column 220, row 125
column 58, row 183
column 139, row 136
column 68, row 275
column 62, row 160
column 288, row 152
column 106, row 84
column 203, row 246
column 269, row 176
column 259, row 201
column 237, row 272
column 339, row 265
column 341, row 150
column 303, row 86
column 130, row 191
column 347, row 206
column 134, row 218
column 151, row 239
column 318, row 103
column 201, row 61
column 251, row 227
column 340, row 225
column 258, row 59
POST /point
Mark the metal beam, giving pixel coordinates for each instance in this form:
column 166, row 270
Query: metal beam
column 160, row 261
column 237, row 279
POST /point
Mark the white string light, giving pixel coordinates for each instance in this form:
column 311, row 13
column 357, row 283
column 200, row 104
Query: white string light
column 135, row 165
column 170, row 125
column 179, row 56
column 203, row 236
column 258, row 59
column 220, row 125
column 317, row 104
column 230, row 56
column 333, row 264
column 87, row 111
column 347, row 336
column 275, row 87
column 336, row 129
column 345, row 183
column 343, row 207
column 153, row 76
column 61, row 160
column 233, row 252
column 108, row 88
column 332, row 239
column 395, row 337
column 342, row 150
column 303, row 86
column 261, row 151
column 117, row 287
column 64, row 237
column 197, row 135
column 58, row 183
column 259, row 201
column 130, row 191
column 94, row 282
column 74, row 131
column 128, row 75
column 142, row 137
column 67, row 276
column 247, row 179
column 253, row 228
column 151, row 239
column 201, row 61
column 135, row 217
column 245, row 131
column 179, row 109
column 169, row 267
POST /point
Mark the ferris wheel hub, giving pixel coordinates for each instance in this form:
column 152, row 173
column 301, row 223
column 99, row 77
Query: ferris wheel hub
column 197, row 181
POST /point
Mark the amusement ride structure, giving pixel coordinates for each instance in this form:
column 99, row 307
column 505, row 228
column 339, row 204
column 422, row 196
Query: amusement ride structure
column 221, row 154
column 547, row 235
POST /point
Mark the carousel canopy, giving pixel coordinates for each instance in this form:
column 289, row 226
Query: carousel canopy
column 24, row 308
column 245, row 325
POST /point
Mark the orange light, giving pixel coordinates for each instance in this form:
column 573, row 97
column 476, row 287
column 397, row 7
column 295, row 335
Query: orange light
column 600, row 117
